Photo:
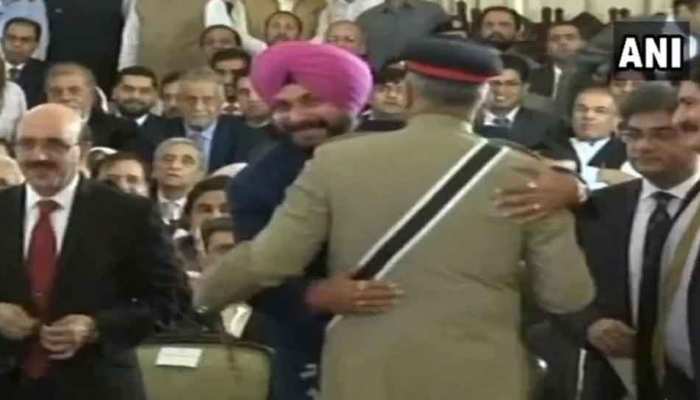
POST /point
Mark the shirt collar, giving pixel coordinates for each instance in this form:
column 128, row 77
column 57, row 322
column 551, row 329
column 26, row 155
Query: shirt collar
column 141, row 120
column 489, row 116
column 679, row 191
column 9, row 66
column 179, row 202
column 207, row 133
column 594, row 144
column 63, row 198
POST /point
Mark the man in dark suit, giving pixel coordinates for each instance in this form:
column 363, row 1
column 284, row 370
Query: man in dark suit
column 87, row 273
column 564, row 41
column 623, row 229
column 681, row 343
column 592, row 144
column 20, row 40
column 89, row 33
column 504, row 117
column 135, row 96
column 74, row 86
column 223, row 139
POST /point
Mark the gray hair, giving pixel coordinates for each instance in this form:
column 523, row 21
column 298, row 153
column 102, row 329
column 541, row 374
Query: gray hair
column 70, row 68
column 166, row 144
column 203, row 74
column 448, row 93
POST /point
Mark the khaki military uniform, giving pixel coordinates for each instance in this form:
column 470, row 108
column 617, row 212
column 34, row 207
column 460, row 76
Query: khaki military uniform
column 455, row 333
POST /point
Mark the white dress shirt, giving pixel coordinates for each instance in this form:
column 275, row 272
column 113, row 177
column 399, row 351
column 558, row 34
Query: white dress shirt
column 14, row 105
column 585, row 151
column 645, row 207
column 59, row 218
column 557, row 77
column 677, row 342
column 489, row 117
column 9, row 66
column 175, row 208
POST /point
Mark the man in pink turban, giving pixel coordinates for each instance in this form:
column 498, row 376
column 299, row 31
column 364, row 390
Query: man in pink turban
column 315, row 90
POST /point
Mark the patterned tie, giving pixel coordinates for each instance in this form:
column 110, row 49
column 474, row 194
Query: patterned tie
column 42, row 270
column 14, row 74
column 658, row 228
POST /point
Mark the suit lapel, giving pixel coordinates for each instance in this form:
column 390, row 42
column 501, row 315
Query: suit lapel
column 521, row 128
column 628, row 207
column 78, row 228
column 17, row 269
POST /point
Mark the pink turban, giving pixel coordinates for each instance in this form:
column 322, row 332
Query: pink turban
column 333, row 74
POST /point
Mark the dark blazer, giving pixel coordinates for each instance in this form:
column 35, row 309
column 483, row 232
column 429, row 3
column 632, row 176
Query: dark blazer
column 116, row 265
column 613, row 155
column 31, row 80
column 232, row 142
column 533, row 129
column 115, row 132
column 542, row 80
column 286, row 323
column 694, row 323
column 604, row 226
column 154, row 130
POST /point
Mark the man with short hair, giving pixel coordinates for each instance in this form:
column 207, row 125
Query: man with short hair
column 178, row 164
column 364, row 354
column 74, row 86
column 78, row 293
column 390, row 102
column 564, row 42
column 20, row 40
column 593, row 145
column 347, row 35
column 624, row 231
column 135, row 96
column 257, row 117
column 504, row 116
column 216, row 38
column 282, row 26
column 223, row 142
column 126, row 171
column 499, row 26
column 169, row 89
column 10, row 173
column 218, row 239
column 231, row 64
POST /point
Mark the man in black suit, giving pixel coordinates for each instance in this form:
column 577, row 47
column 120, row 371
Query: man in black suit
column 503, row 115
column 20, row 40
column 87, row 273
column 135, row 96
column 564, row 41
column 223, row 139
column 74, row 86
column 681, row 343
column 593, row 145
column 623, row 229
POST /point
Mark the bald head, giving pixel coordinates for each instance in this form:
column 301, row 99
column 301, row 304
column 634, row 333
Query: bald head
column 52, row 117
column 347, row 35
column 47, row 147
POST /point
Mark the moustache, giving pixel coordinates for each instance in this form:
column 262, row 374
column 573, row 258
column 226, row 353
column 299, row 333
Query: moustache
column 292, row 127
column 689, row 127
column 40, row 165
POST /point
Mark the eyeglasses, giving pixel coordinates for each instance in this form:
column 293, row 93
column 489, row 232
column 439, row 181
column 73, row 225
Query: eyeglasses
column 51, row 146
column 661, row 136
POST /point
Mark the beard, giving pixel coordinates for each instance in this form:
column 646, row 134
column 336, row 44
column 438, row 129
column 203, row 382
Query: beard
column 133, row 109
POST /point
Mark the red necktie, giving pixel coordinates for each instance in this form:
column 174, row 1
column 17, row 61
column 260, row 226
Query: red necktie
column 42, row 269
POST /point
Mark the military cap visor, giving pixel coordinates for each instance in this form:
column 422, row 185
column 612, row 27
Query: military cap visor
column 454, row 60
